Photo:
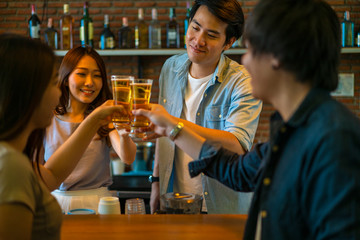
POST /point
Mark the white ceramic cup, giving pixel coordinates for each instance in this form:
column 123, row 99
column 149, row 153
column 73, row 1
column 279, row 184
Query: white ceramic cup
column 109, row 205
column 118, row 167
column 135, row 206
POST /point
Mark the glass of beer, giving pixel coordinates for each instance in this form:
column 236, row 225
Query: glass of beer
column 121, row 94
column 140, row 99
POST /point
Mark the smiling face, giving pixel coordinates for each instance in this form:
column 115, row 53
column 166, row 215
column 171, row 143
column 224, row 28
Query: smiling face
column 85, row 81
column 205, row 39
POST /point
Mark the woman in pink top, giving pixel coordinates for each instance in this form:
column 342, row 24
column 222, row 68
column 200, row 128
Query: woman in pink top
column 84, row 87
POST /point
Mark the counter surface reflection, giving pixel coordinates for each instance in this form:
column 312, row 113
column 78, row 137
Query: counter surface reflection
column 159, row 227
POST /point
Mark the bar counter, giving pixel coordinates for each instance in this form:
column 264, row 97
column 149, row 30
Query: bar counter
column 159, row 227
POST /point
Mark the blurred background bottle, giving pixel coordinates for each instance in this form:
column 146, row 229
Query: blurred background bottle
column 347, row 29
column 237, row 43
column 154, row 31
column 51, row 35
column 186, row 21
column 358, row 38
column 86, row 28
column 125, row 34
column 172, row 31
column 34, row 24
column 107, row 38
column 141, row 31
column 66, row 29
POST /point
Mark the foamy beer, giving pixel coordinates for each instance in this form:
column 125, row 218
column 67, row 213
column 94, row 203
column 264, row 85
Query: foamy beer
column 140, row 99
column 121, row 94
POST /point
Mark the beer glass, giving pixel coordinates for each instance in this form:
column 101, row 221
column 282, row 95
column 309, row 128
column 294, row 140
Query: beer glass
column 140, row 98
column 121, row 94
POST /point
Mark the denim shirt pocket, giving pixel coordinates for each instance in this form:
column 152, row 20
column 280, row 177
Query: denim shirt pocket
column 166, row 103
column 215, row 116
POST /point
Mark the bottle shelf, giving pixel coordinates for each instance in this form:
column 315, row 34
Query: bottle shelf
column 350, row 50
column 131, row 52
column 172, row 51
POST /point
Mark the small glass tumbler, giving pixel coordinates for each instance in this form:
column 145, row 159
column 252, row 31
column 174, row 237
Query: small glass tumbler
column 135, row 206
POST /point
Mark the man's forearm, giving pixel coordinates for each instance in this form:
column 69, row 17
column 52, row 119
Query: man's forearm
column 227, row 139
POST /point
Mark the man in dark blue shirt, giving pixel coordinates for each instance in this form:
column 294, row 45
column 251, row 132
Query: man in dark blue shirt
column 308, row 183
column 306, row 179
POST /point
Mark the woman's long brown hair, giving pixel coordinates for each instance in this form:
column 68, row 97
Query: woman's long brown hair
column 67, row 66
column 25, row 74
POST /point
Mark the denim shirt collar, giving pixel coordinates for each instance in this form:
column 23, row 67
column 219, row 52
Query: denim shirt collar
column 219, row 70
column 184, row 68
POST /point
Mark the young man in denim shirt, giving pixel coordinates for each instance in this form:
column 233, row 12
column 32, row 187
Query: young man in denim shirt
column 211, row 94
column 306, row 179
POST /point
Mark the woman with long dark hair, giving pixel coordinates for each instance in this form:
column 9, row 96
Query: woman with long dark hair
column 84, row 87
column 28, row 95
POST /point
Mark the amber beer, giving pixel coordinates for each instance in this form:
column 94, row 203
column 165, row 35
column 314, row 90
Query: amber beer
column 140, row 99
column 121, row 94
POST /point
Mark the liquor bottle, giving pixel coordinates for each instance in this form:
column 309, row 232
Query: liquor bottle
column 186, row 21
column 172, row 31
column 154, row 31
column 51, row 35
column 125, row 34
column 34, row 24
column 347, row 29
column 358, row 38
column 107, row 38
column 66, row 29
column 141, row 31
column 86, row 28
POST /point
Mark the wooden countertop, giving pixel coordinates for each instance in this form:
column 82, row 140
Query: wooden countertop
column 159, row 227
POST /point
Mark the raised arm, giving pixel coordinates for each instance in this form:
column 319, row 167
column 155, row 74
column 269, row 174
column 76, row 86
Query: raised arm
column 238, row 172
column 235, row 171
column 64, row 160
column 186, row 138
column 123, row 146
column 224, row 137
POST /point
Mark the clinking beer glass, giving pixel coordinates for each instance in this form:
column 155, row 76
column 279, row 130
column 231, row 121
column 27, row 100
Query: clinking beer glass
column 140, row 99
column 121, row 94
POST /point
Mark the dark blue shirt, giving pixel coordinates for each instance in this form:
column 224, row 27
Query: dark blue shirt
column 306, row 178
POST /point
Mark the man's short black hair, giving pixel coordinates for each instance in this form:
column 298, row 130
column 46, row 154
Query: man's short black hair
column 304, row 35
column 228, row 11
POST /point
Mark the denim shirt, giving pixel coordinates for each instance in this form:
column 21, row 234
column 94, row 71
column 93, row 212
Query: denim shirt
column 306, row 178
column 227, row 105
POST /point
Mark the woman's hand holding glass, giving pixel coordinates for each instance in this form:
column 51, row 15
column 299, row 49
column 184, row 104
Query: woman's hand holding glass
column 103, row 114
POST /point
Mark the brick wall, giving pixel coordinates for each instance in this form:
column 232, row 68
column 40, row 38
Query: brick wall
column 15, row 14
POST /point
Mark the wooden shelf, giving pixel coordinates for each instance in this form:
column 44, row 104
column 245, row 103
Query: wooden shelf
column 173, row 51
